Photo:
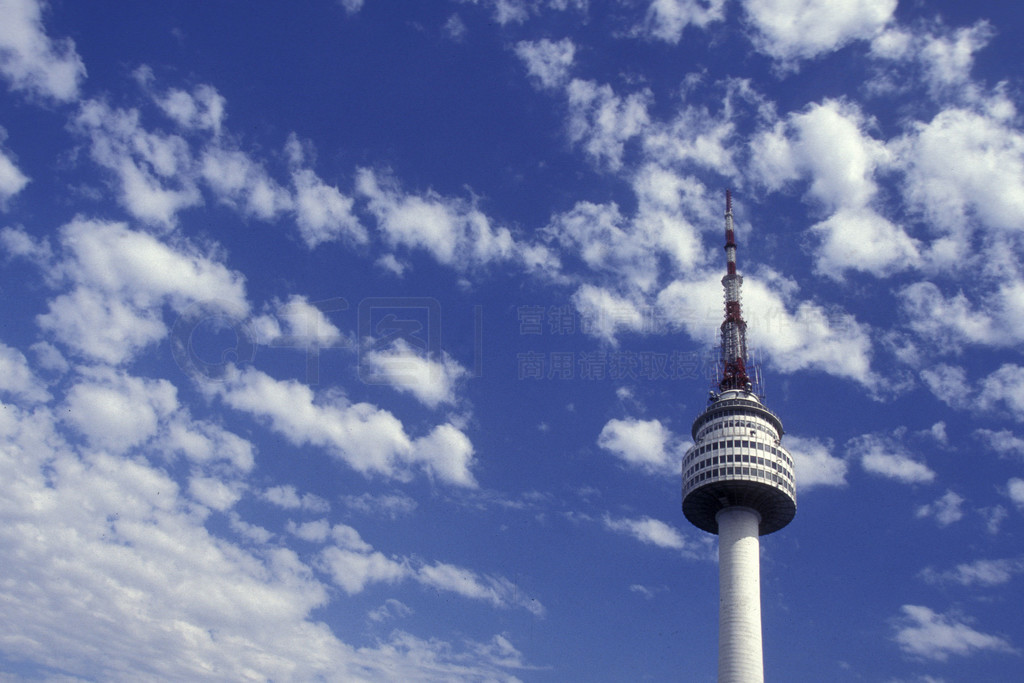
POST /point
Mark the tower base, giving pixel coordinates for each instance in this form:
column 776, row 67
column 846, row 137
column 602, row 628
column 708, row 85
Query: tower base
column 739, row 606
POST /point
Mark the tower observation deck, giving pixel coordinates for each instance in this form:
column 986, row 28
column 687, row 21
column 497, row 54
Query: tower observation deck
column 738, row 482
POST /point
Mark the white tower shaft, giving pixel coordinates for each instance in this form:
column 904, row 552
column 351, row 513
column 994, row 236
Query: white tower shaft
column 739, row 607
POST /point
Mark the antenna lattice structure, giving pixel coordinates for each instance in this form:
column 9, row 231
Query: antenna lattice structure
column 734, row 328
column 738, row 482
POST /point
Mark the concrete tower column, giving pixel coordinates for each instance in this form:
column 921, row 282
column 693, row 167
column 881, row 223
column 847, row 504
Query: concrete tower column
column 739, row 607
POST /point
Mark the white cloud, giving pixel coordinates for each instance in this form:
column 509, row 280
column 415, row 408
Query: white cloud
column 603, row 122
column 815, row 465
column 324, row 214
column 404, row 657
column 18, row 379
column 696, row 136
column 17, row 242
column 314, row 532
column 655, row 532
column 353, row 571
column 945, row 58
column 496, row 590
column 348, row 538
column 626, row 251
column 155, row 171
column 353, row 564
column 12, row 180
column 453, row 231
column 431, row 380
column 287, row 497
column 206, row 444
column 49, row 357
column 828, row 144
column 243, row 184
column 1001, row 391
column 925, row 634
column 606, row 243
column 648, row 530
column 861, row 239
column 994, row 517
column 938, row 432
column 791, row 30
column 886, row 457
column 447, row 454
column 1002, row 441
column 390, row 505
column 116, row 411
column 646, row 444
column 949, row 60
column 147, row 271
column 945, row 510
column 604, row 314
column 391, row 264
column 101, row 327
column 351, row 6
column 107, row 555
column 299, row 324
column 391, row 609
column 985, row 573
column 367, row 438
column 546, row 60
column 202, row 109
column 1003, row 388
column 214, row 493
column 666, row 19
column 507, row 11
column 1015, row 489
column 984, row 188
column 30, row 60
column 121, row 280
column 949, row 384
column 795, row 335
column 455, row 28
column 947, row 322
column 897, row 466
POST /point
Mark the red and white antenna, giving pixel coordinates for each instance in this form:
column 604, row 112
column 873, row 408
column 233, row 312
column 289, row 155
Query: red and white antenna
column 734, row 329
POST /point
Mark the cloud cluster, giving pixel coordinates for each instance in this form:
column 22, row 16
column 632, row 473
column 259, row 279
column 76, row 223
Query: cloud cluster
column 432, row 381
column 815, row 464
column 455, row 232
column 794, row 30
column 120, row 279
column 353, row 564
column 795, row 335
column 33, row 62
column 983, row 573
column 828, row 145
column 1000, row 392
column 369, row 439
column 548, row 61
column 12, row 180
column 945, row 510
column 645, row 444
column 887, row 457
column 925, row 634
column 657, row 533
column 667, row 19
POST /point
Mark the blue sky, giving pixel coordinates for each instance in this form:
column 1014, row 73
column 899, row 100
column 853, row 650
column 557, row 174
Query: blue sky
column 361, row 340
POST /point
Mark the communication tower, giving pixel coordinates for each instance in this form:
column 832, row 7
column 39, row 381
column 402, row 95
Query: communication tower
column 738, row 483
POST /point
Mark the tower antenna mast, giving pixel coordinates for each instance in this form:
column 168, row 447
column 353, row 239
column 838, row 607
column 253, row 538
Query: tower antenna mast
column 734, row 328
